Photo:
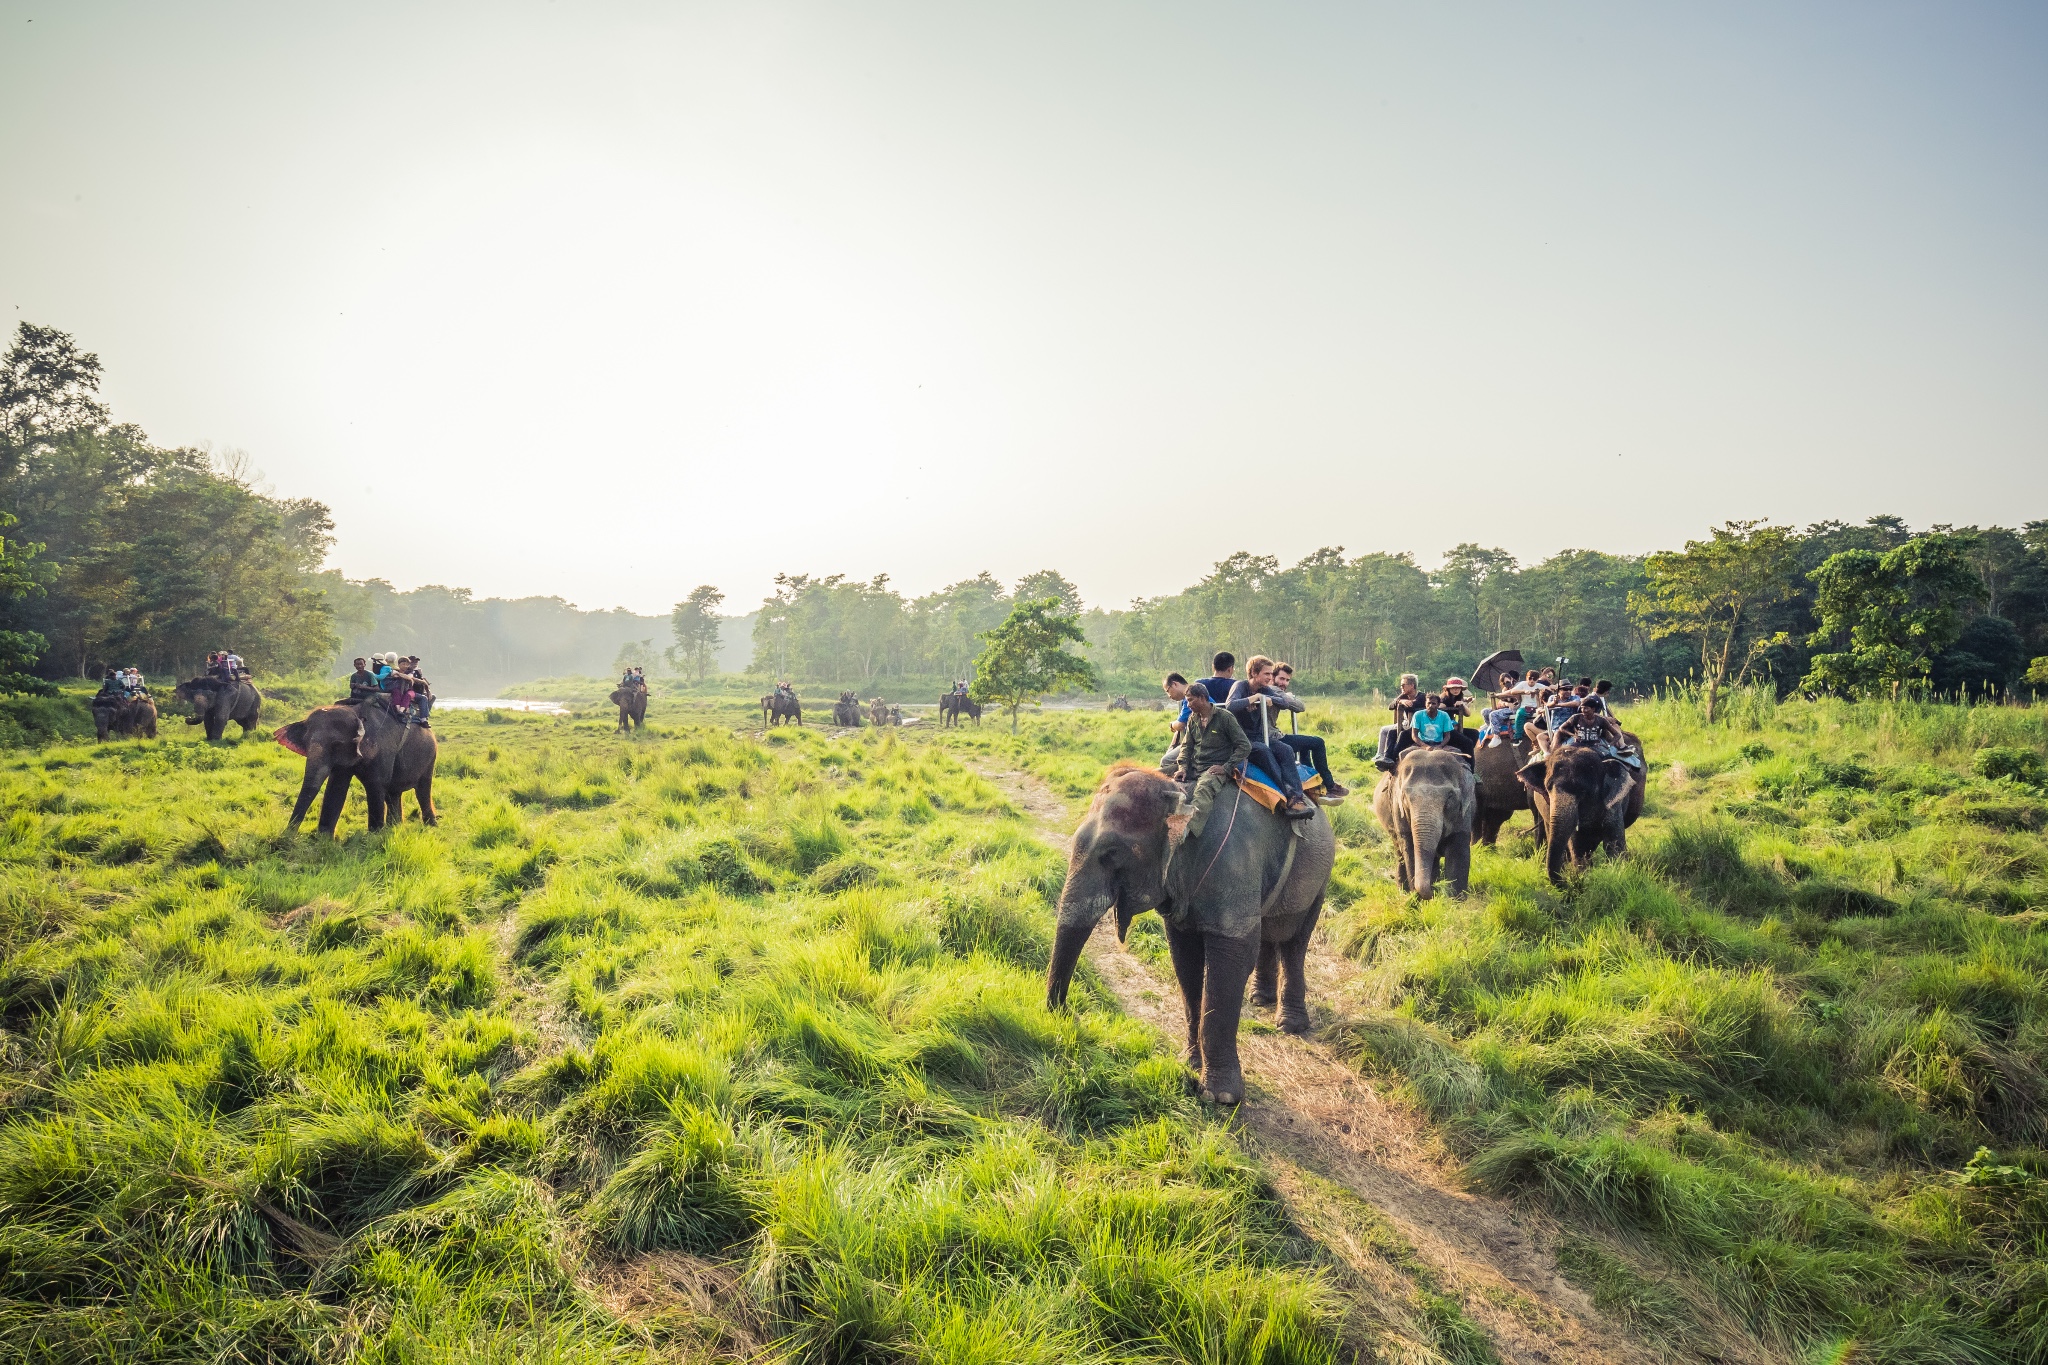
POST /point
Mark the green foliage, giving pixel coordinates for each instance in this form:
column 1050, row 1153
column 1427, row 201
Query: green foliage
column 695, row 625
column 19, row 649
column 1025, row 657
column 1889, row 614
column 150, row 556
column 1712, row 592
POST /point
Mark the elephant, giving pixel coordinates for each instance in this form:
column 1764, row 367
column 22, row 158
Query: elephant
column 1500, row 793
column 777, row 707
column 880, row 712
column 1119, row 703
column 130, row 718
column 1427, row 804
column 953, row 705
column 362, row 742
column 1585, row 801
column 846, row 711
column 215, row 703
column 1250, row 886
column 632, row 704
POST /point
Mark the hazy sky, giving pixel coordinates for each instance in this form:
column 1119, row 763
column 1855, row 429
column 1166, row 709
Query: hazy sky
column 611, row 300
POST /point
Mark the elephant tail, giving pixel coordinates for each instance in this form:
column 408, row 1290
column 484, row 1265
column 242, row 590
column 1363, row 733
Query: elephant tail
column 292, row 736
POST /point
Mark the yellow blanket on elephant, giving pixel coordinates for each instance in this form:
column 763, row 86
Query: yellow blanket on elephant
column 1256, row 785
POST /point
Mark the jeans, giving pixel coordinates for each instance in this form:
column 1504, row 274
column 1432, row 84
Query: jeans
column 1311, row 750
column 1281, row 769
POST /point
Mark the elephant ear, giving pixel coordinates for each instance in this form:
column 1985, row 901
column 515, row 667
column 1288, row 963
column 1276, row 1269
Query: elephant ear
column 293, row 737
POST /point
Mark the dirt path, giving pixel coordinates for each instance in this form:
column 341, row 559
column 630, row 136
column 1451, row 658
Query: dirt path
column 1366, row 1176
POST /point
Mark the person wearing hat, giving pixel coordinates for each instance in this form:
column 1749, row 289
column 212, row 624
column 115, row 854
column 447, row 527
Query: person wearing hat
column 1464, row 740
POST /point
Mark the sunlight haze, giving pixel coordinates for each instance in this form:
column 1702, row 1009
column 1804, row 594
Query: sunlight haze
column 607, row 301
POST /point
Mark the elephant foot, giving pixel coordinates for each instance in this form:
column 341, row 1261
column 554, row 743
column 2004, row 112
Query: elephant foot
column 1222, row 1089
column 1265, row 999
column 1294, row 1021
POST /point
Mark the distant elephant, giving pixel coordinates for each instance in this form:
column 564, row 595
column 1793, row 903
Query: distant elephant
column 881, row 713
column 632, row 704
column 1250, row 884
column 1119, row 703
column 215, row 703
column 364, row 743
column 130, row 718
column 1584, row 801
column 846, row 711
column 953, row 705
column 777, row 708
column 1426, row 804
column 1500, row 792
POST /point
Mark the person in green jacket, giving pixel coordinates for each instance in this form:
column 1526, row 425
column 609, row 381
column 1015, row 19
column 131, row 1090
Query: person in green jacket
column 1213, row 749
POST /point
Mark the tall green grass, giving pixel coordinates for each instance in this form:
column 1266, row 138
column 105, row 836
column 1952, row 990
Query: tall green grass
column 771, row 1007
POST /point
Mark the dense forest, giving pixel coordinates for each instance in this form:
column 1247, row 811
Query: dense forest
column 114, row 549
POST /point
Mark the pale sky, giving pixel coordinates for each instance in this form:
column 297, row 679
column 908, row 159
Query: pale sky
column 612, row 300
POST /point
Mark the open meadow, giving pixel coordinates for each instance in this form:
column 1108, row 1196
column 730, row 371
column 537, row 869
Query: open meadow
column 703, row 1043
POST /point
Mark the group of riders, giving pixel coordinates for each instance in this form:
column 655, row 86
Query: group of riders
column 1227, row 722
column 125, row 684
column 393, row 681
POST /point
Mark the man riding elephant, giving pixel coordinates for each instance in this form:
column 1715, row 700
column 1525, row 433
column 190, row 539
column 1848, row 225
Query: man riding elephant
column 630, row 696
column 215, row 703
column 1243, row 890
column 781, row 705
column 123, row 707
column 367, row 743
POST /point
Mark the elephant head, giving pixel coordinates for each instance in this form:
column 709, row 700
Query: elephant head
column 331, row 738
column 1118, row 860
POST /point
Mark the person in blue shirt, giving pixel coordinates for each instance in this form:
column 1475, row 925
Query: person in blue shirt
column 1433, row 726
column 1252, row 703
column 1218, row 687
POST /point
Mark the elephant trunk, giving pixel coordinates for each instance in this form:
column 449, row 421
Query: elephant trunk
column 308, row 789
column 1426, row 830
column 1066, row 955
column 1563, row 828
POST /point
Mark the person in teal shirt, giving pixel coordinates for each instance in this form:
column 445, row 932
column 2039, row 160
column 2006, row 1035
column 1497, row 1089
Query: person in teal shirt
column 1432, row 724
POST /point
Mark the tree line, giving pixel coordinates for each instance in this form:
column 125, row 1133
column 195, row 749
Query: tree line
column 1835, row 606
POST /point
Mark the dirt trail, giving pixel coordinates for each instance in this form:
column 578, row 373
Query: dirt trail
column 1316, row 1121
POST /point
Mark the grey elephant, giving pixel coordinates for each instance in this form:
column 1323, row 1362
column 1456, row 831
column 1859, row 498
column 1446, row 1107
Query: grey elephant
column 1500, row 793
column 1249, row 884
column 1584, row 801
column 1427, row 804
column 215, row 703
column 366, row 743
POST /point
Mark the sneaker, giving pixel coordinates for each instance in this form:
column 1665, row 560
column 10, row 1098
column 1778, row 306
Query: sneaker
column 1336, row 789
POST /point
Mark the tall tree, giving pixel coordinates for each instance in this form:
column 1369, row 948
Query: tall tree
column 694, row 623
column 1889, row 614
column 1712, row 591
column 19, row 649
column 1050, row 583
column 1025, row 658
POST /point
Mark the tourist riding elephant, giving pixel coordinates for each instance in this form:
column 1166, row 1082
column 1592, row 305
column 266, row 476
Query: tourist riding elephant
column 365, row 743
column 846, row 711
column 215, row 703
column 1248, row 880
column 778, row 707
column 1427, row 804
column 953, row 705
column 632, row 704
column 128, row 718
column 1500, row 794
column 1585, row 801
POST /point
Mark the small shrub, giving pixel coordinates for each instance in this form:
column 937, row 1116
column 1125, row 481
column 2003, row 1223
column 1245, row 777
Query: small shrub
column 2025, row 766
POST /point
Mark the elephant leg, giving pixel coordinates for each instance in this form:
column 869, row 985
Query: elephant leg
column 375, row 800
column 1457, row 851
column 1294, row 973
column 424, row 794
column 307, row 789
column 1266, row 976
column 332, row 803
column 1227, row 963
column 1489, row 827
column 1403, row 874
column 1185, row 948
